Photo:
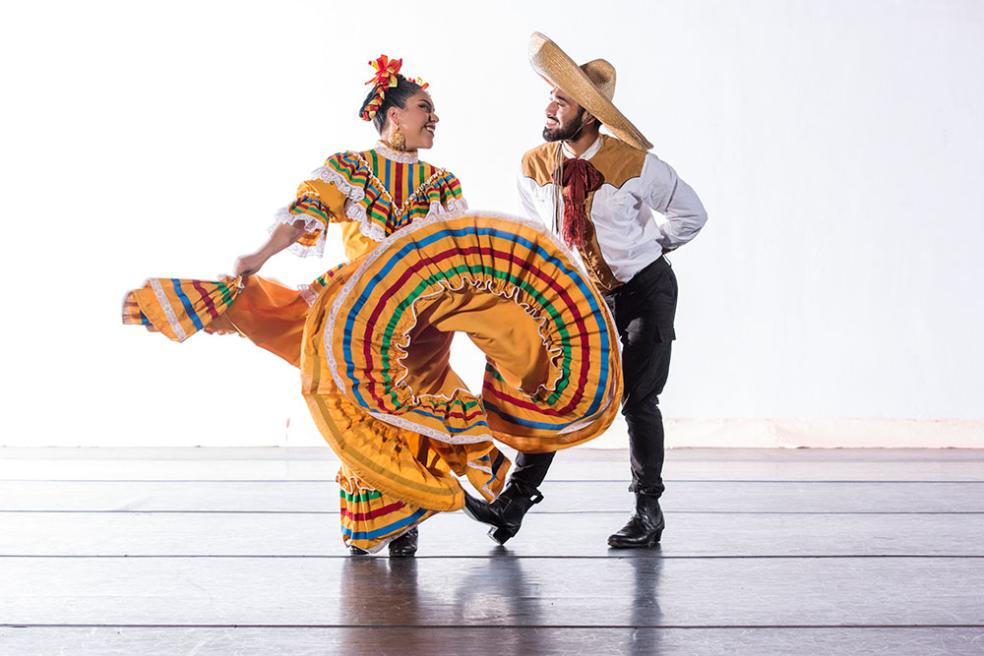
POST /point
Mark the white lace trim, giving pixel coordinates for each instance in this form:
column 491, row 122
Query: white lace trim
column 165, row 304
column 553, row 353
column 355, row 211
column 376, row 232
column 315, row 250
column 285, row 217
column 308, row 294
column 385, row 541
column 407, row 157
column 427, row 431
column 353, row 192
column 455, row 206
column 473, row 464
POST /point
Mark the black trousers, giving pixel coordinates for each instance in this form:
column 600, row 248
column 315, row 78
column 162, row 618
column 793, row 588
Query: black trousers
column 644, row 309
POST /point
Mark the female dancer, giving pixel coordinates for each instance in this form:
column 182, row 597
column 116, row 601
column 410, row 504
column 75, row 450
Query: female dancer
column 372, row 336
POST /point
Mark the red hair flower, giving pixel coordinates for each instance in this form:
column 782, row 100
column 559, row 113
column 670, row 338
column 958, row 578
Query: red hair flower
column 387, row 76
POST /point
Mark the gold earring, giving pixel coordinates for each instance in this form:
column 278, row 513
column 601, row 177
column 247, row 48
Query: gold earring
column 399, row 139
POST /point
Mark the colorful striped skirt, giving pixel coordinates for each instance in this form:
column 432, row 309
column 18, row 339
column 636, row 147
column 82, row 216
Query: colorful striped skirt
column 372, row 341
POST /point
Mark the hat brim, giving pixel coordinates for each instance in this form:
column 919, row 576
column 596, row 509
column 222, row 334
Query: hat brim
column 558, row 69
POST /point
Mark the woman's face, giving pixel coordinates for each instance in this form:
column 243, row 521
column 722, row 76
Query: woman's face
column 417, row 121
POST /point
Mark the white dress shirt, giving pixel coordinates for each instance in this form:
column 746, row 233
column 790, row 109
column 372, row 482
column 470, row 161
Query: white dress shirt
column 629, row 235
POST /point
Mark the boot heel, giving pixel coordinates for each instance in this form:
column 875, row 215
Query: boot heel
column 501, row 535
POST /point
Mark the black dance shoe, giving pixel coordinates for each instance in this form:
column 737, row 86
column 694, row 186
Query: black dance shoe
column 644, row 528
column 505, row 514
column 404, row 546
column 355, row 551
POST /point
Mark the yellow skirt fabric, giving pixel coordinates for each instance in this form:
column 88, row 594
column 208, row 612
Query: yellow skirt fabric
column 373, row 348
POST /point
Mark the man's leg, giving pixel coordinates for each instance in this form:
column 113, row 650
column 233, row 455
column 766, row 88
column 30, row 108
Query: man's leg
column 644, row 313
column 640, row 407
column 531, row 468
column 505, row 514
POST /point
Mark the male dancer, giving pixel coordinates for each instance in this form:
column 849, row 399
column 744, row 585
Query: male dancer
column 598, row 192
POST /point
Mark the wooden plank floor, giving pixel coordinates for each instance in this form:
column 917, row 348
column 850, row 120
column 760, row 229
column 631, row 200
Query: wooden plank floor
column 201, row 551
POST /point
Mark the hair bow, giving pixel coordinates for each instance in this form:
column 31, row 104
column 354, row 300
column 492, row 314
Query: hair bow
column 386, row 71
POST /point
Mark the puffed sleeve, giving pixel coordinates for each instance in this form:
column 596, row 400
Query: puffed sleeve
column 447, row 193
column 319, row 201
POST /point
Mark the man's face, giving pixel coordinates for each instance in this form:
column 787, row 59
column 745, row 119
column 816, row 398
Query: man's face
column 564, row 117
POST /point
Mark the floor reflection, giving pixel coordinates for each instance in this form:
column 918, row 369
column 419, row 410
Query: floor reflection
column 502, row 595
column 427, row 603
column 381, row 592
column 645, row 603
column 495, row 592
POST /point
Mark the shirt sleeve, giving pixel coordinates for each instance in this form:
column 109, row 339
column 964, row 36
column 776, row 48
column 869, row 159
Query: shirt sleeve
column 316, row 203
column 666, row 193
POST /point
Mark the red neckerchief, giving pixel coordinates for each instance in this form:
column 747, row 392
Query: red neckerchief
column 577, row 178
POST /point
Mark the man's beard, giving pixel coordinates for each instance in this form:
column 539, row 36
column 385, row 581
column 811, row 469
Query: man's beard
column 564, row 133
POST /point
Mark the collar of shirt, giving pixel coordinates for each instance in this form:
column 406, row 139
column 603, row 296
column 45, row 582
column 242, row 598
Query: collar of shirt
column 588, row 154
column 401, row 156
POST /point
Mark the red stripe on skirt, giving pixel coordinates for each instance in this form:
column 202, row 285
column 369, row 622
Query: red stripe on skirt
column 372, row 514
column 208, row 301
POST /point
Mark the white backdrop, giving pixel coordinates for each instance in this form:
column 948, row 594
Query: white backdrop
column 833, row 298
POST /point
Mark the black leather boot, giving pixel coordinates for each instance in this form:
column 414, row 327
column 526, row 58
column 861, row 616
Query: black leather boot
column 405, row 545
column 505, row 514
column 644, row 528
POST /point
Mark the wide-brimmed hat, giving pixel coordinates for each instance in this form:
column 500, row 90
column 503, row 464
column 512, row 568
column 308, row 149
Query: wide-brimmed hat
column 592, row 86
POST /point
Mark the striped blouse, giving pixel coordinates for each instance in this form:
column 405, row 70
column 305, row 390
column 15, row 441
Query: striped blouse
column 372, row 194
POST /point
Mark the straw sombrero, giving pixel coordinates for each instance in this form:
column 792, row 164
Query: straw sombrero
column 591, row 85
